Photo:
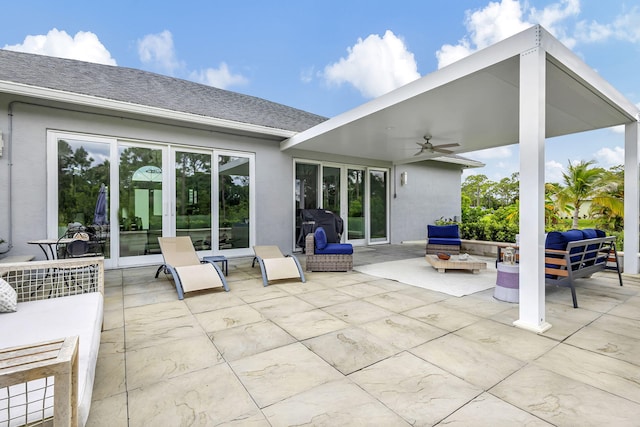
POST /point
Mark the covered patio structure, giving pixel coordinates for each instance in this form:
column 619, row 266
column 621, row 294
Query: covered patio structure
column 522, row 90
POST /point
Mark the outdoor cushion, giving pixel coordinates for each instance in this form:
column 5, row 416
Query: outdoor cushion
column 321, row 238
column 8, row 297
column 558, row 240
column 443, row 231
column 335, row 249
column 443, row 241
column 589, row 233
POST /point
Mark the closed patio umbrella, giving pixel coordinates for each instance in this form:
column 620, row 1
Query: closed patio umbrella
column 100, row 213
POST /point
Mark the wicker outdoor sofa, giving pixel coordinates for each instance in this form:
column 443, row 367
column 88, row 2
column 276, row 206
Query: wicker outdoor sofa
column 50, row 343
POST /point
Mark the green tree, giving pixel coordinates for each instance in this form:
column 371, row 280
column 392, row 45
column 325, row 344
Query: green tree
column 507, row 191
column 607, row 205
column 581, row 181
column 477, row 188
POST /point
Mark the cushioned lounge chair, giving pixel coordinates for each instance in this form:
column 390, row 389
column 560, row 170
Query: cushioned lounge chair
column 188, row 271
column 275, row 266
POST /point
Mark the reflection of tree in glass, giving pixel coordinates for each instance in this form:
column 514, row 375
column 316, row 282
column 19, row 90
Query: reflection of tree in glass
column 233, row 194
column 132, row 159
column 193, row 184
column 79, row 179
column 378, row 202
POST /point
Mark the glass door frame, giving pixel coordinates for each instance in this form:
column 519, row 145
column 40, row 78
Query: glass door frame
column 130, row 261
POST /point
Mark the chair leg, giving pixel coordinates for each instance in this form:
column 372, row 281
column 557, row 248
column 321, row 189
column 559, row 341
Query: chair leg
column 265, row 280
column 160, row 269
column 176, row 279
column 573, row 295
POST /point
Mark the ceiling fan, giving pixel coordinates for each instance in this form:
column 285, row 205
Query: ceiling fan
column 430, row 148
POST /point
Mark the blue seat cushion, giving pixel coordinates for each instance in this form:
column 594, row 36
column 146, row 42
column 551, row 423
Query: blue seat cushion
column 336, row 249
column 443, row 231
column 320, row 238
column 443, row 241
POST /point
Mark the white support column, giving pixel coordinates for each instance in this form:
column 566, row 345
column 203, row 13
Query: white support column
column 631, row 198
column 532, row 138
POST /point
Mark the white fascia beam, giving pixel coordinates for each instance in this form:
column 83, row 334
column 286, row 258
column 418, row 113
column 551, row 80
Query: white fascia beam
column 127, row 107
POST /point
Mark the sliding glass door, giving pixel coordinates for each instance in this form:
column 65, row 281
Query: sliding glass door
column 132, row 193
column 359, row 195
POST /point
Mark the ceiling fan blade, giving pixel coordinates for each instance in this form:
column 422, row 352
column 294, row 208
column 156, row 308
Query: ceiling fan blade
column 419, row 152
column 441, row 150
column 454, row 144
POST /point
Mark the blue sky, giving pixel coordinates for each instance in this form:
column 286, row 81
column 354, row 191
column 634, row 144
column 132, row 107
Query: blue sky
column 329, row 56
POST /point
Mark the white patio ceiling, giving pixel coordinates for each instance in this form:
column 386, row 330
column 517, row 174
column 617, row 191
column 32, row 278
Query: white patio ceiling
column 473, row 102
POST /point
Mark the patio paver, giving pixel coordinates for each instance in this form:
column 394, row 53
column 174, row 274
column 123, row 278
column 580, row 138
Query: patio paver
column 350, row 349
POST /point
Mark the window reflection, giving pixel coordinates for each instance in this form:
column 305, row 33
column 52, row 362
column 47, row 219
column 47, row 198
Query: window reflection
column 83, row 170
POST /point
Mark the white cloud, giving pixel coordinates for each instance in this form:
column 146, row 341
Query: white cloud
column 553, row 15
column 553, row 171
column 608, row 157
column 499, row 20
column 84, row 46
column 485, row 27
column 219, row 77
column 306, row 75
column 375, row 65
column 158, row 50
column 626, row 27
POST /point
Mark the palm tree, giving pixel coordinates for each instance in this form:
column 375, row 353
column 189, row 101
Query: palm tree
column 607, row 206
column 581, row 180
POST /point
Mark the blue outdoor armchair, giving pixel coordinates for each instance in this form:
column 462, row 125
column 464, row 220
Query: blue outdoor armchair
column 443, row 238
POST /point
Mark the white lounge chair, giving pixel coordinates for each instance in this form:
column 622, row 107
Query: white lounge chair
column 188, row 271
column 275, row 265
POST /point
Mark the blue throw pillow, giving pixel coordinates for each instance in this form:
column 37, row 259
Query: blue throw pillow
column 321, row 238
column 589, row 233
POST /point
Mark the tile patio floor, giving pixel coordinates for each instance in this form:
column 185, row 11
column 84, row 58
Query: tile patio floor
column 350, row 349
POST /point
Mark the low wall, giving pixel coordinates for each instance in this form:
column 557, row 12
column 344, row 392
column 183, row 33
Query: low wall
column 481, row 247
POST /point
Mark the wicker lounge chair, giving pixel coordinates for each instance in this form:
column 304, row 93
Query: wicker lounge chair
column 188, row 271
column 275, row 266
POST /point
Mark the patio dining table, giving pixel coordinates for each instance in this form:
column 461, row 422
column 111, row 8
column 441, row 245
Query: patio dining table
column 48, row 246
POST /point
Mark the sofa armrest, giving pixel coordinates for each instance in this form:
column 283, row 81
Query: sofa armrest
column 57, row 359
column 310, row 244
column 38, row 280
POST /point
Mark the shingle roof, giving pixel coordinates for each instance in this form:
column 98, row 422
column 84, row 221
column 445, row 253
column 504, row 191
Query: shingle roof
column 149, row 89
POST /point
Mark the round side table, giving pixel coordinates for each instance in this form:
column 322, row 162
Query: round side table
column 507, row 282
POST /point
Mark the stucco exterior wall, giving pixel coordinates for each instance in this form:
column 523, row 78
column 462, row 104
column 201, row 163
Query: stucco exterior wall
column 273, row 188
column 432, row 191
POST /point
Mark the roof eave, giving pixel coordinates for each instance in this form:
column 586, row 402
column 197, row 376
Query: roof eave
column 127, row 107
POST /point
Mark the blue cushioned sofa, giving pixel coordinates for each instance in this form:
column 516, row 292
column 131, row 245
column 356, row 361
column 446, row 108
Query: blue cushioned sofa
column 322, row 255
column 443, row 238
column 575, row 254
